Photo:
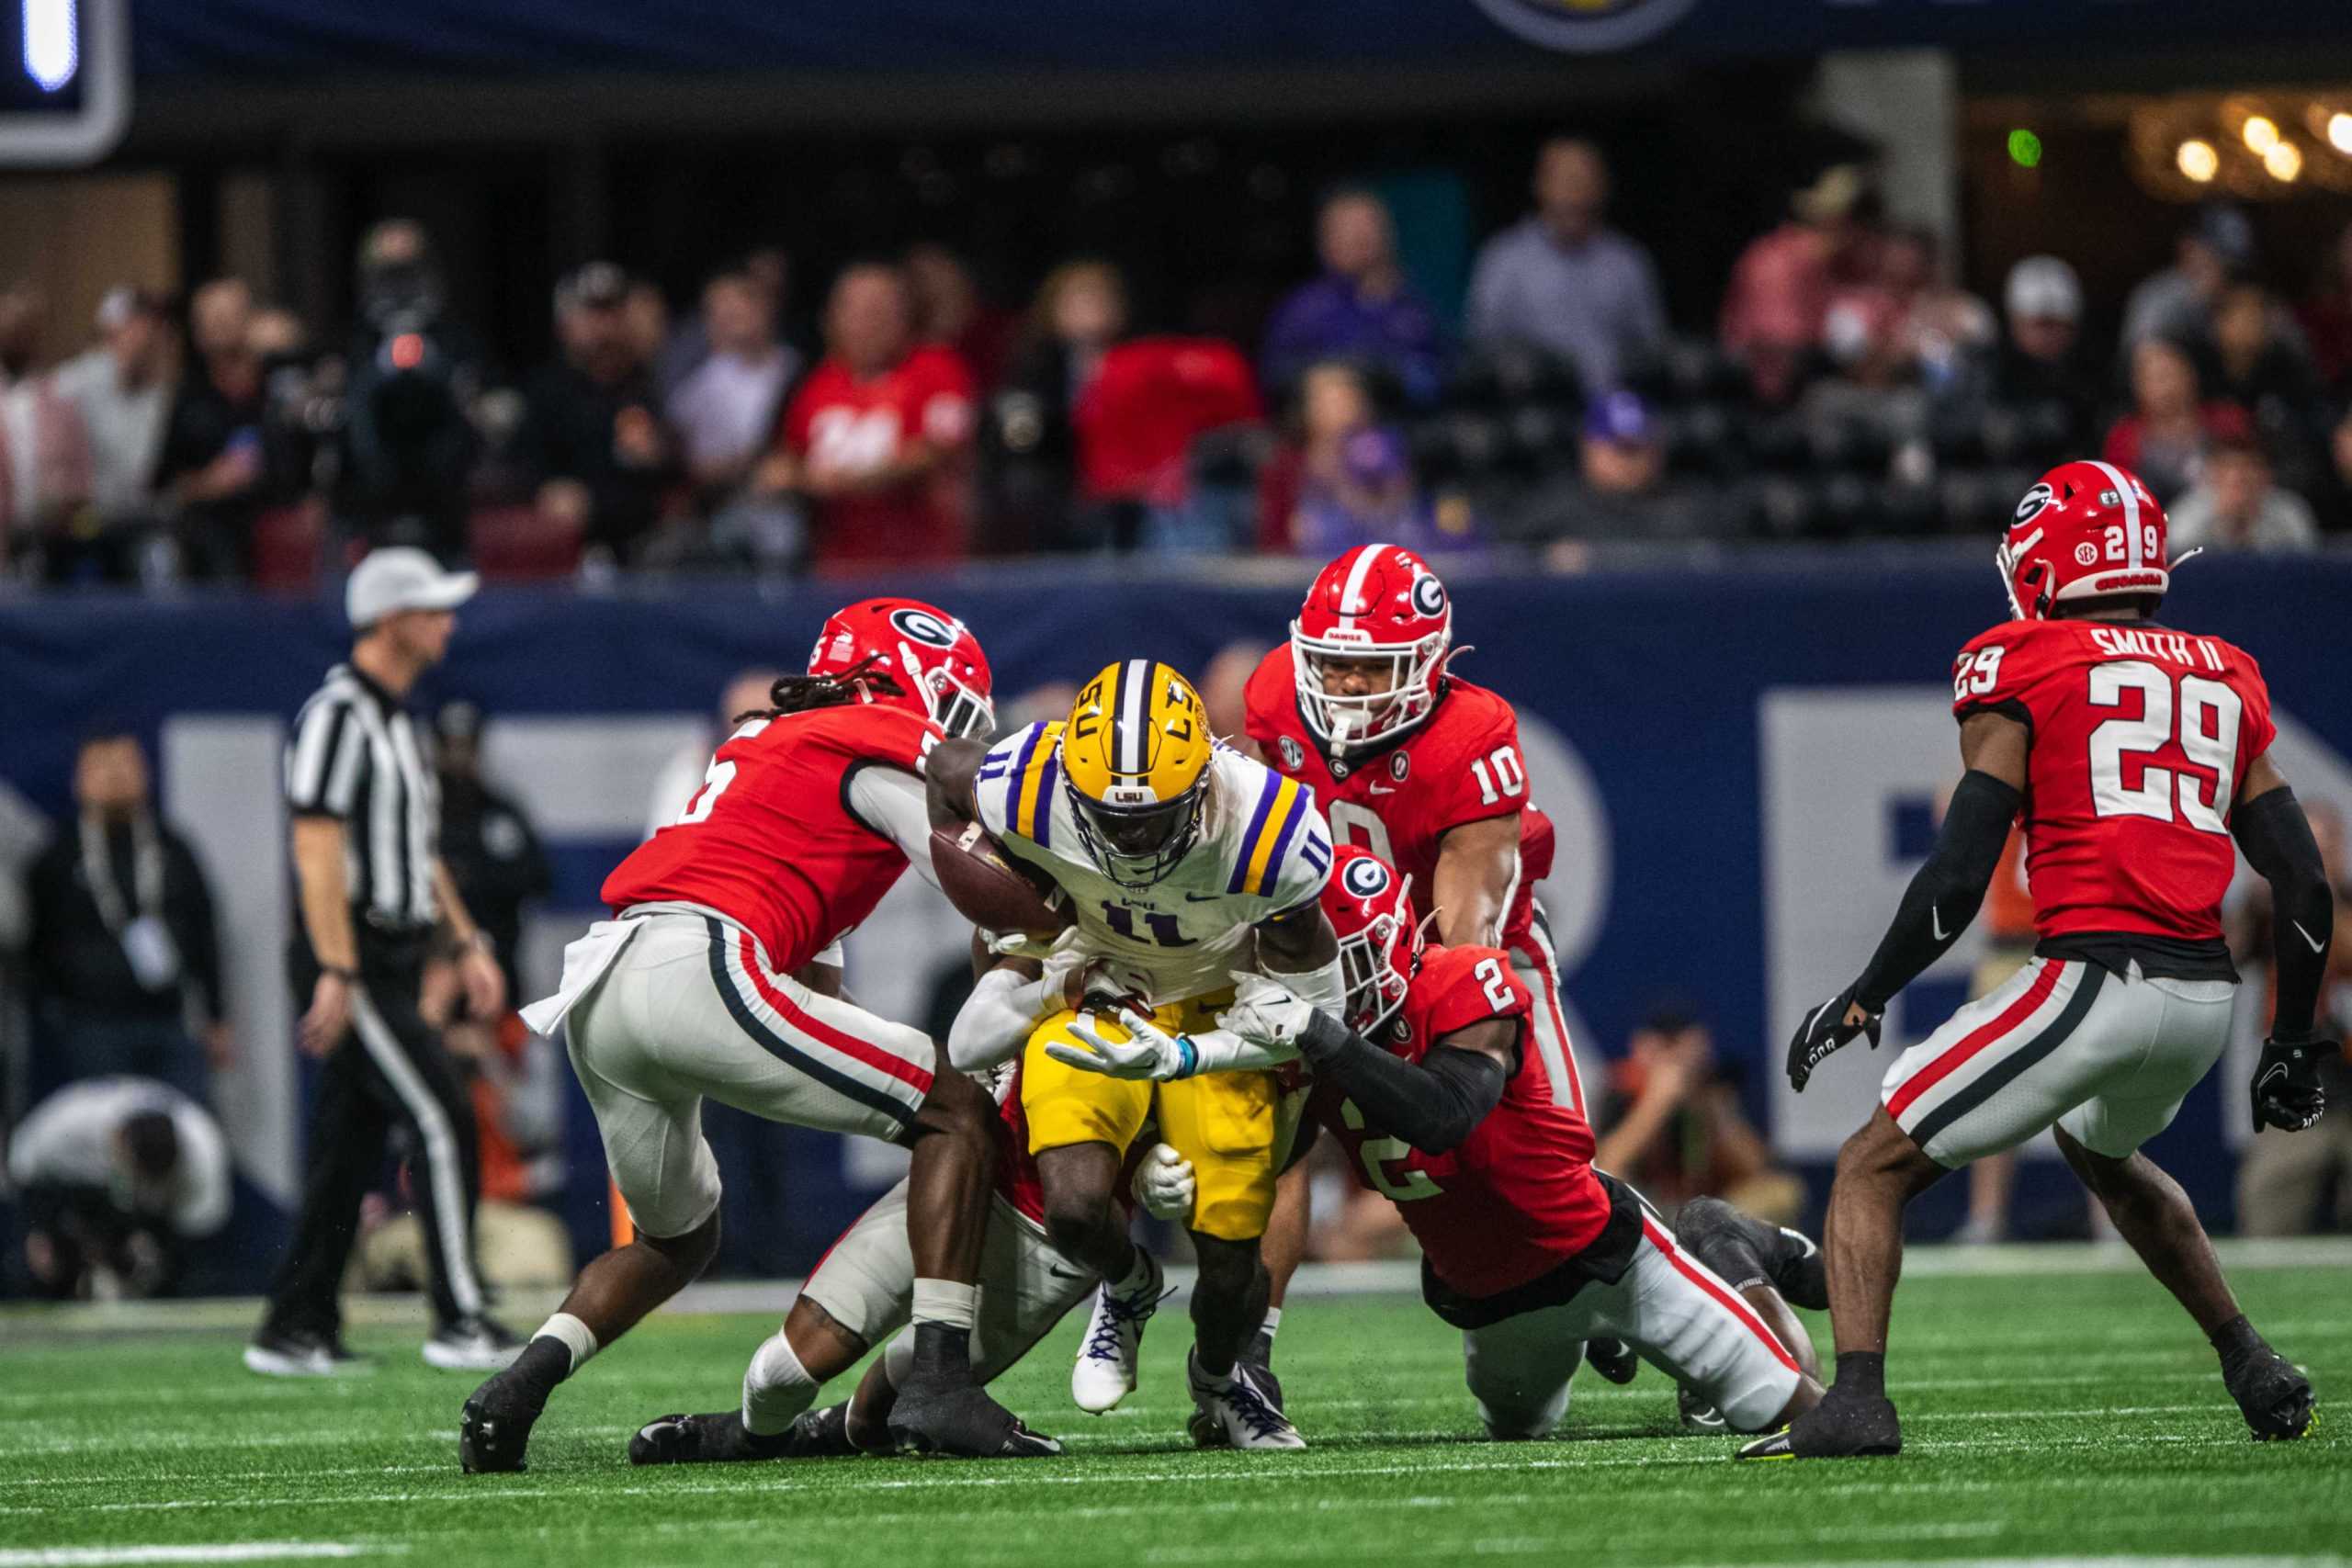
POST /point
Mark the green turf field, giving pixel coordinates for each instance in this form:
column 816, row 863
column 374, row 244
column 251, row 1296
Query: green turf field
column 2051, row 1416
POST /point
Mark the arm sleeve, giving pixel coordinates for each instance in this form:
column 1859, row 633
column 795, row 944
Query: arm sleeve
column 1944, row 895
column 322, row 764
column 2277, row 839
column 1432, row 1104
column 995, row 1020
column 892, row 802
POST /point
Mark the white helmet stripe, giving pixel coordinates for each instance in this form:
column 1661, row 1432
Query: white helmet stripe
column 1351, row 602
column 1133, row 704
column 2124, row 488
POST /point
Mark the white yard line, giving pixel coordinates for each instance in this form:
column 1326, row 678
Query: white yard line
column 225, row 1551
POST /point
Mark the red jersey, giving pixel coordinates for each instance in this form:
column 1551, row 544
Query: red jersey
column 1461, row 764
column 1518, row 1197
column 840, row 423
column 2139, row 737
column 769, row 841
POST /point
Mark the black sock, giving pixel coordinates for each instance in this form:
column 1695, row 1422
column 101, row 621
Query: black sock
column 1863, row 1373
column 2235, row 1338
column 544, row 1363
column 941, row 1352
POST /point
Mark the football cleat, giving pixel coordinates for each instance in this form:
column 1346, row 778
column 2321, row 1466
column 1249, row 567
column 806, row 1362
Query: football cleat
column 1698, row 1414
column 1105, row 1371
column 963, row 1423
column 1612, row 1359
column 299, row 1353
column 1238, row 1415
column 2274, row 1397
column 1800, row 1273
column 494, row 1431
column 472, row 1345
column 1259, row 1356
column 1853, row 1426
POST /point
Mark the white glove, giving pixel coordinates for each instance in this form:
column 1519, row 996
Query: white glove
column 1266, row 1010
column 1163, row 1184
column 1150, row 1052
column 1059, row 957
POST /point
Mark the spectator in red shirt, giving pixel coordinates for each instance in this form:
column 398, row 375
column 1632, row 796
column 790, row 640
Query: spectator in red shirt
column 878, row 437
column 1781, row 290
column 2170, row 428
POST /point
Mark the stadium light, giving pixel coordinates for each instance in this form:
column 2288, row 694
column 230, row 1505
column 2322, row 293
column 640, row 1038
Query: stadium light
column 65, row 99
column 2197, row 159
column 52, row 53
column 2285, row 161
column 2261, row 134
column 2339, row 133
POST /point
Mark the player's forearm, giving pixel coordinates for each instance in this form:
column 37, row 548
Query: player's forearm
column 996, row 1018
column 1470, row 891
column 1945, row 894
column 326, row 895
column 1222, row 1051
column 1432, row 1104
column 1304, row 953
column 2277, row 839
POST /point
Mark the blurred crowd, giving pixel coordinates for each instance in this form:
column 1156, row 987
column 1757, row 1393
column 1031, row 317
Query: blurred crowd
column 1848, row 387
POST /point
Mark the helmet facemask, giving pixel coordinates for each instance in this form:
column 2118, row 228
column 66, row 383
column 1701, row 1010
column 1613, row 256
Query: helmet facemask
column 1374, row 979
column 1137, row 845
column 1345, row 722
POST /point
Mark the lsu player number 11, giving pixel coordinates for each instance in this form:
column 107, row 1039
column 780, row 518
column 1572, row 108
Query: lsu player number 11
column 1184, row 862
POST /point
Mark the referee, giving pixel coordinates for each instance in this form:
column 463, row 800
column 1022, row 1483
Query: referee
column 375, row 899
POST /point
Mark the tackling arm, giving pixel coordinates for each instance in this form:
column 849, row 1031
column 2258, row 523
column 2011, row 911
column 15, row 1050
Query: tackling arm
column 1432, row 1104
column 948, row 775
column 1477, row 872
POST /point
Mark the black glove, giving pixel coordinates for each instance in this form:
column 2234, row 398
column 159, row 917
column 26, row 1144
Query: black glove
column 1824, row 1030
column 2286, row 1084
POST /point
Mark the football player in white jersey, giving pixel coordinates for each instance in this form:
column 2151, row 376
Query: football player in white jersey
column 1185, row 862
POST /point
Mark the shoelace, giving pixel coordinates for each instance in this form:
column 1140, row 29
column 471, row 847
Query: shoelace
column 1104, row 1344
column 1251, row 1407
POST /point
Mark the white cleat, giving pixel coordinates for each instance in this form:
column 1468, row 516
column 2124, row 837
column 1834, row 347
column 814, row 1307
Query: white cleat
column 1239, row 1416
column 1105, row 1372
column 472, row 1345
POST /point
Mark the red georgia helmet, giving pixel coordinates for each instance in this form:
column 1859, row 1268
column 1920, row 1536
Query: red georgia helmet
column 2085, row 530
column 931, row 657
column 1375, row 602
column 1380, row 944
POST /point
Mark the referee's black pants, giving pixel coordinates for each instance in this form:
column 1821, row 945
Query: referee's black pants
column 391, row 1071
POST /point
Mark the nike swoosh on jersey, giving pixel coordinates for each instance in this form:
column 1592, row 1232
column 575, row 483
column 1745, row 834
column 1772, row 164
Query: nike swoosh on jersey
column 1936, row 918
column 2317, row 945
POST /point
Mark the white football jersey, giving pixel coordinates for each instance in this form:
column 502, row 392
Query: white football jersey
column 1263, row 850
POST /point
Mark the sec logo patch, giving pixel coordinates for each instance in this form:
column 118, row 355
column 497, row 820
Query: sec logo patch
column 2085, row 554
column 1586, row 27
column 1294, row 754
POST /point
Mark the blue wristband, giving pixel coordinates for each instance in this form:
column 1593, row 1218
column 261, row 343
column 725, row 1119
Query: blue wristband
column 1189, row 1062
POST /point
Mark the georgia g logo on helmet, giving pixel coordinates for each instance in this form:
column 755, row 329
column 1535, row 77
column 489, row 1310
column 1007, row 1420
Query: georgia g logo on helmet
column 2033, row 503
column 1364, row 878
column 923, row 626
column 1428, row 595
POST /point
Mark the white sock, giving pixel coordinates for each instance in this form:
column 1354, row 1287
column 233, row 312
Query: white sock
column 572, row 1335
column 1138, row 1279
column 1273, row 1321
column 776, row 1387
column 945, row 1302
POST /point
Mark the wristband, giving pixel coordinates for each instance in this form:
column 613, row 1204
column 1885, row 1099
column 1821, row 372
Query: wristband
column 1188, row 1061
column 349, row 976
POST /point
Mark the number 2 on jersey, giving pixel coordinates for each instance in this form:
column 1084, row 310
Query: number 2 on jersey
column 2204, row 719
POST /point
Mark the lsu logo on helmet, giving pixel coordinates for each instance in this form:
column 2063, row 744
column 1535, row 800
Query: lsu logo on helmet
column 1136, row 761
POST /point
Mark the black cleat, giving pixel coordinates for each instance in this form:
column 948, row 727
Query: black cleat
column 2275, row 1398
column 490, row 1441
column 963, row 1422
column 722, row 1438
column 1697, row 1414
column 1259, row 1357
column 1612, row 1359
column 1853, row 1426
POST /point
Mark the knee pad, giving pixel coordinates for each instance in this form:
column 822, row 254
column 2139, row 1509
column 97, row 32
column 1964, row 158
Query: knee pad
column 776, row 1387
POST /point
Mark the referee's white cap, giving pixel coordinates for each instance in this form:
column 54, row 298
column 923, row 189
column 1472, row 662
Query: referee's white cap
column 398, row 578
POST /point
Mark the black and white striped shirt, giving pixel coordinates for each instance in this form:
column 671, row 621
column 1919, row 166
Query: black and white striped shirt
column 355, row 757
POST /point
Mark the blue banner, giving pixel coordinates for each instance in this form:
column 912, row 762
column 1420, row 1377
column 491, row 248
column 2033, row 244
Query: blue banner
column 1743, row 759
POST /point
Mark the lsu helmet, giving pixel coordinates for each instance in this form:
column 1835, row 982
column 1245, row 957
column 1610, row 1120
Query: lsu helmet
column 2084, row 531
column 1371, row 907
column 911, row 655
column 1135, row 763
column 1378, row 604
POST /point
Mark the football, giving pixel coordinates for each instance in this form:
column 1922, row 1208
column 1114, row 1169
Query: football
column 989, row 888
